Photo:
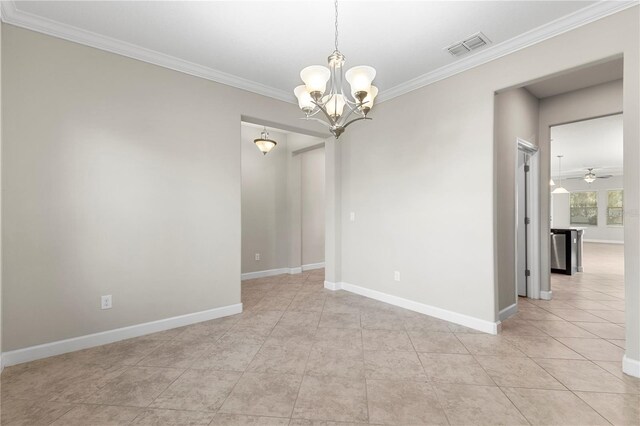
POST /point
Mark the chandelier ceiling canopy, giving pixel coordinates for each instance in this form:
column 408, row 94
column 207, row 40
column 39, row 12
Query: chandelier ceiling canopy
column 337, row 105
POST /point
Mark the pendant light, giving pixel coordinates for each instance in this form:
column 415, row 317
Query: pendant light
column 263, row 143
column 560, row 189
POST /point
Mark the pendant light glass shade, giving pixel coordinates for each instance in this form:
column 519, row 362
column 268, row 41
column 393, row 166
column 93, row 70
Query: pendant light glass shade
column 263, row 143
column 560, row 189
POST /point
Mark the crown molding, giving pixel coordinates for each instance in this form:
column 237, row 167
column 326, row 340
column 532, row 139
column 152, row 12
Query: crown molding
column 576, row 19
column 12, row 15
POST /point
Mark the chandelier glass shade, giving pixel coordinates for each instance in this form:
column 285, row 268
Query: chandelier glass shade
column 324, row 93
column 263, row 143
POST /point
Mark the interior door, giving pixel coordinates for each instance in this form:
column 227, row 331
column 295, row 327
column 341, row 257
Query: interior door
column 521, row 225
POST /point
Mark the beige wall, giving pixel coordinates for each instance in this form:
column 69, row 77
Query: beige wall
column 420, row 177
column 118, row 177
column 516, row 116
column 265, row 225
column 312, row 194
column 1, row 131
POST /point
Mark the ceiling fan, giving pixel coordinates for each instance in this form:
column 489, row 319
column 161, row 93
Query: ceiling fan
column 590, row 176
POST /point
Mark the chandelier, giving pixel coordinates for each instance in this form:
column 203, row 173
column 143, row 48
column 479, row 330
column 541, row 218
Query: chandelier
column 338, row 107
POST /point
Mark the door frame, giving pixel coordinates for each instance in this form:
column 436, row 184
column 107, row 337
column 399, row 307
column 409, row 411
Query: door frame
column 532, row 181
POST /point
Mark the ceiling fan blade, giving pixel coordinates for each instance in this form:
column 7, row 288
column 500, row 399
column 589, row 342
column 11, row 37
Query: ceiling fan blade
column 604, row 177
column 572, row 178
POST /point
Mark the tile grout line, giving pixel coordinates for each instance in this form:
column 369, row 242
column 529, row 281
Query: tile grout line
column 184, row 372
column 364, row 365
column 293, row 408
column 431, row 383
column 245, row 369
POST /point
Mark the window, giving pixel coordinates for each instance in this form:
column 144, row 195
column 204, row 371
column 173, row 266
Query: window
column 615, row 204
column 584, row 208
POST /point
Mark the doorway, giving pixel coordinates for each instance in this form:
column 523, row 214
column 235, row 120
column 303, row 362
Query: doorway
column 587, row 194
column 527, row 220
column 589, row 312
column 282, row 203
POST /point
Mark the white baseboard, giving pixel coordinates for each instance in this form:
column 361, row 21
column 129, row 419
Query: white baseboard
column 262, row 274
column 33, row 353
column 270, row 273
column 311, row 266
column 546, row 295
column 604, row 241
column 457, row 318
column 332, row 286
column 508, row 312
column 280, row 271
column 631, row 366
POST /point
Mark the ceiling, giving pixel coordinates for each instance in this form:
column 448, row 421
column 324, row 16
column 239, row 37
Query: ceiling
column 593, row 143
column 262, row 45
column 576, row 79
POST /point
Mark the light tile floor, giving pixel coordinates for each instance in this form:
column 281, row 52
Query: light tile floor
column 302, row 355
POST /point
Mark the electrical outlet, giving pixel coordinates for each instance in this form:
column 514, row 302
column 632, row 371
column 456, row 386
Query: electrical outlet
column 106, row 302
column 352, row 216
column 257, row 256
column 396, row 276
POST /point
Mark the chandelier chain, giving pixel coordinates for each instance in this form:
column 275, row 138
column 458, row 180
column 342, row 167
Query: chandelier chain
column 336, row 35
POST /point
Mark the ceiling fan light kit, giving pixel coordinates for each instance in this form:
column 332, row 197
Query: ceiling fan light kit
column 335, row 104
column 590, row 176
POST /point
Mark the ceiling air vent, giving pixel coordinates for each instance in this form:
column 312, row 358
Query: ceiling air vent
column 473, row 42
